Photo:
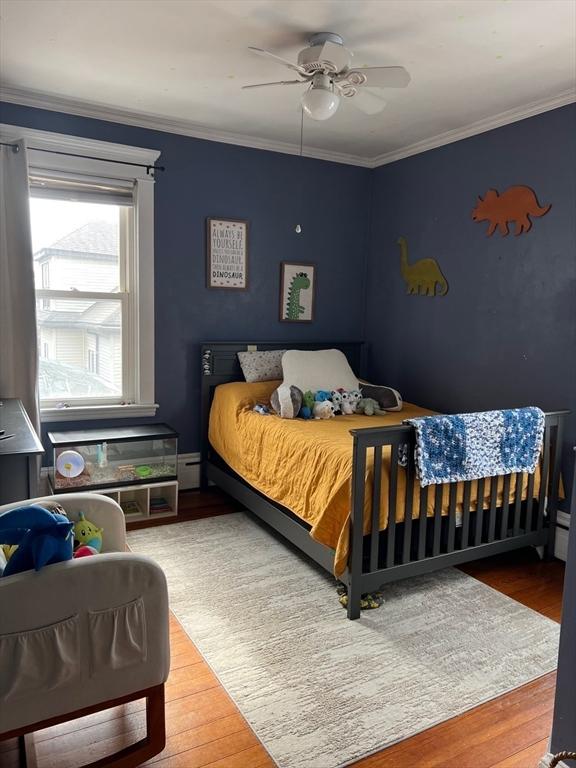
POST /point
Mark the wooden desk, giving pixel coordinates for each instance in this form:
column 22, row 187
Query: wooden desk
column 18, row 454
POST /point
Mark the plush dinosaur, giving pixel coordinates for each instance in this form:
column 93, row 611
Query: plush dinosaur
column 369, row 407
column 307, row 405
column 43, row 537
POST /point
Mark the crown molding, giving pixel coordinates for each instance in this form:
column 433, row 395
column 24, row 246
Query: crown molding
column 168, row 125
column 150, row 121
column 481, row 126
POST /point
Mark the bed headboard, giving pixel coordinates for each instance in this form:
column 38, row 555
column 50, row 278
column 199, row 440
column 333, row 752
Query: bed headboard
column 219, row 365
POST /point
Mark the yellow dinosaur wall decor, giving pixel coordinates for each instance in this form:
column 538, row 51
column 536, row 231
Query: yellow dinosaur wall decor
column 423, row 276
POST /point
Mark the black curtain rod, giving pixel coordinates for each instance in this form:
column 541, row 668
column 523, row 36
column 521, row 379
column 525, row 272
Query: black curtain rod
column 149, row 168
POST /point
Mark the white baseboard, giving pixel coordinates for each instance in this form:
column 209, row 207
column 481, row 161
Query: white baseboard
column 188, row 471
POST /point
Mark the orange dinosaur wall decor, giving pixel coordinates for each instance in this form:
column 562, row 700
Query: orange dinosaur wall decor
column 515, row 205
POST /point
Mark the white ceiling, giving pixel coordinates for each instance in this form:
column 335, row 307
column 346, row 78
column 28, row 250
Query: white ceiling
column 184, row 61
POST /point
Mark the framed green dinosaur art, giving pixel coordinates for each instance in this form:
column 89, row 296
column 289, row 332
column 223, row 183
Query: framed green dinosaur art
column 297, row 288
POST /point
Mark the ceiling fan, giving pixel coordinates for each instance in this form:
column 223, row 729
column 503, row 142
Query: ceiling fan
column 325, row 66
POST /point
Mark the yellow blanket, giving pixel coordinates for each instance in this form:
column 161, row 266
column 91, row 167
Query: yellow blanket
column 307, row 465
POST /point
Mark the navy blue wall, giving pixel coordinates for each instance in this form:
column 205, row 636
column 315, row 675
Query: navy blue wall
column 269, row 189
column 505, row 334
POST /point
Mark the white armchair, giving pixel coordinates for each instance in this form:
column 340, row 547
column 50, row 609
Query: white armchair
column 85, row 635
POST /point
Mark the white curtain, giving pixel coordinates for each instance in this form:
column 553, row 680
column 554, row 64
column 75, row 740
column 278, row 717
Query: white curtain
column 18, row 343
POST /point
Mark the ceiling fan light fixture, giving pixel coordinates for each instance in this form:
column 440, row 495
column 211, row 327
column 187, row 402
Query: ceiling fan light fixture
column 321, row 100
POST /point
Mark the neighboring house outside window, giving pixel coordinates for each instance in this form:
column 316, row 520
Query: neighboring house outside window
column 93, row 343
column 45, row 283
column 86, row 335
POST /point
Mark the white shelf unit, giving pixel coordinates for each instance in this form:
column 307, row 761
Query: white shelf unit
column 141, row 495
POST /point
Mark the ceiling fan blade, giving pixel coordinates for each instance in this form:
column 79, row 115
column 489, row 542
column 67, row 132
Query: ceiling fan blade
column 367, row 102
column 336, row 54
column 381, row 77
column 280, row 82
column 279, row 59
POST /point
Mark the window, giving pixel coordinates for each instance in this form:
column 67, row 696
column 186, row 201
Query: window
column 83, row 235
column 93, row 237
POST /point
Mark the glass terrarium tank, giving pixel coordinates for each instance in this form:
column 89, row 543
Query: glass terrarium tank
column 99, row 458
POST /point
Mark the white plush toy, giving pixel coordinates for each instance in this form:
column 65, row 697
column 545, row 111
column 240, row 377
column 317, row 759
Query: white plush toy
column 323, row 410
column 336, row 398
column 347, row 405
column 355, row 396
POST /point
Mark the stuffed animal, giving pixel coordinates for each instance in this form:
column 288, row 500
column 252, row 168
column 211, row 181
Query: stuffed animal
column 263, row 410
column 8, row 550
column 286, row 401
column 389, row 399
column 307, row 405
column 369, row 407
column 347, row 406
column 86, row 533
column 323, row 409
column 322, row 395
column 336, row 397
column 54, row 506
column 84, row 551
column 355, row 395
column 43, row 537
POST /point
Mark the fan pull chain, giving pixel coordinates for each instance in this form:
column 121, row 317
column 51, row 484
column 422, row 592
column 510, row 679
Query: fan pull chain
column 298, row 228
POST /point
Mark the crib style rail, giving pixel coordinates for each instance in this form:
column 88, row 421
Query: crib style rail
column 463, row 526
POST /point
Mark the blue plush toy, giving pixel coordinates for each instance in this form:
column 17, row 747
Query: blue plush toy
column 322, row 395
column 43, row 537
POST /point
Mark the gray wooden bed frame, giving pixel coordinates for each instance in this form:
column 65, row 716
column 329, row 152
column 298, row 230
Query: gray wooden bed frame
column 404, row 549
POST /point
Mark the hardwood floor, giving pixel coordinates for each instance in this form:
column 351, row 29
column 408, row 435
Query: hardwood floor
column 205, row 729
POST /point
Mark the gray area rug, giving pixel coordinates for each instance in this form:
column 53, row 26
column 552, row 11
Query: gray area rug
column 319, row 690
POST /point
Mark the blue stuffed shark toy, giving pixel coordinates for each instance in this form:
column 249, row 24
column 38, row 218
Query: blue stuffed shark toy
column 43, row 537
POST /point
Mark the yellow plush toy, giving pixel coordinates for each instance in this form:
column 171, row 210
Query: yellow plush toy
column 86, row 533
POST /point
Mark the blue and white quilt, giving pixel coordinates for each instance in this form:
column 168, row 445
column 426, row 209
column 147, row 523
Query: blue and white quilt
column 468, row 446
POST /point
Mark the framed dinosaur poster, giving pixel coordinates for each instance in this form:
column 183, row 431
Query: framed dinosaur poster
column 297, row 288
column 227, row 253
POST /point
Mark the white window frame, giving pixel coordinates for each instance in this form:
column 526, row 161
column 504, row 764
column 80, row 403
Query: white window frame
column 138, row 330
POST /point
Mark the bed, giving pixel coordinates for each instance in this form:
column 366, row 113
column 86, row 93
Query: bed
column 316, row 483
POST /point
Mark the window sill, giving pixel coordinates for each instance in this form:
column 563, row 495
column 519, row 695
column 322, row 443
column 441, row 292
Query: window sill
column 93, row 412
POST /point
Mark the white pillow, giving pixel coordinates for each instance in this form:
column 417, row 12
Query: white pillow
column 319, row 369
